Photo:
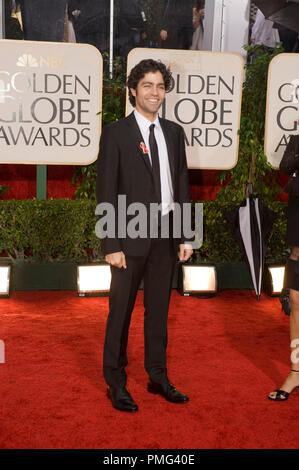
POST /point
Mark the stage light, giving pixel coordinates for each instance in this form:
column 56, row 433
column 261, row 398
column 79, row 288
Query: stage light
column 197, row 279
column 93, row 280
column 274, row 277
column 5, row 270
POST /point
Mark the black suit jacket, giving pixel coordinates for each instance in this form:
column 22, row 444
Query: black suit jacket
column 93, row 19
column 290, row 159
column 123, row 169
column 130, row 15
column 177, row 14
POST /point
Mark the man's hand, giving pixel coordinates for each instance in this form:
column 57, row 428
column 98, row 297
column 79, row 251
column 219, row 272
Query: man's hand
column 185, row 252
column 163, row 34
column 116, row 259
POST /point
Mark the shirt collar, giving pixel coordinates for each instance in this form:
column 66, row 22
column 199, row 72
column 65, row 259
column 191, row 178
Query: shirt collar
column 144, row 123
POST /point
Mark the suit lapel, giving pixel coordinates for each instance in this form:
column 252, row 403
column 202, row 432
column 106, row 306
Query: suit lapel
column 138, row 139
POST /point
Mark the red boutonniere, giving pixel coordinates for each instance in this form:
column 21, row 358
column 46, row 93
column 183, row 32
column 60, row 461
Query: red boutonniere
column 143, row 147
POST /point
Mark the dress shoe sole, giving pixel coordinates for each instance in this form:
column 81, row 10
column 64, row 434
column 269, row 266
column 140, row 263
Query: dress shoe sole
column 151, row 388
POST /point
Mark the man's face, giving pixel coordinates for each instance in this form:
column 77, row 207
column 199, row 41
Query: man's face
column 149, row 94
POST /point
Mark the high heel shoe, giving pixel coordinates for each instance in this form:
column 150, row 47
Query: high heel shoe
column 282, row 395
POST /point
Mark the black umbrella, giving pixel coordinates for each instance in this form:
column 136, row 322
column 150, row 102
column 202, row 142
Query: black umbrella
column 283, row 12
column 251, row 224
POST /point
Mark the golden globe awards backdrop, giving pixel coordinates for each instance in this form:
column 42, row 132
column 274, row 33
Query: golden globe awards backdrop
column 282, row 109
column 50, row 99
column 205, row 98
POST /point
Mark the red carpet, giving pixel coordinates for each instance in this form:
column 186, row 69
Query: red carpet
column 226, row 353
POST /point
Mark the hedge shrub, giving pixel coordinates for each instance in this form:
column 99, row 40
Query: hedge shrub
column 53, row 230
column 60, row 230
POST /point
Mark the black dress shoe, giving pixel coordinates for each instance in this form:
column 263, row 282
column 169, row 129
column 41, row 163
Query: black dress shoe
column 121, row 399
column 168, row 391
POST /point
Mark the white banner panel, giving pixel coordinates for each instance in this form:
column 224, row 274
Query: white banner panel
column 205, row 98
column 282, row 109
column 50, row 97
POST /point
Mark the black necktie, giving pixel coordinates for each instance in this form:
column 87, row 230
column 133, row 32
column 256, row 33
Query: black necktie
column 155, row 162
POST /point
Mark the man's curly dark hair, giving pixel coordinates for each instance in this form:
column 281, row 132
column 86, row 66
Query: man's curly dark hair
column 141, row 69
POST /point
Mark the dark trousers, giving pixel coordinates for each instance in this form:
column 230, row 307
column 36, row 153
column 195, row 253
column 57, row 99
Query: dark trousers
column 156, row 269
column 129, row 41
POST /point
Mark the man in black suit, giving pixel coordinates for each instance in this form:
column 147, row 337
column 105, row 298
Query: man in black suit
column 177, row 24
column 132, row 25
column 142, row 157
column 91, row 21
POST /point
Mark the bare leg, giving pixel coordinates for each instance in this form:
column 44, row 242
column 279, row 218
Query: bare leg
column 292, row 380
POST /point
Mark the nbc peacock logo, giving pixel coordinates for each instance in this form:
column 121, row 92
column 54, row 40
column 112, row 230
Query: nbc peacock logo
column 50, row 61
column 27, row 60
